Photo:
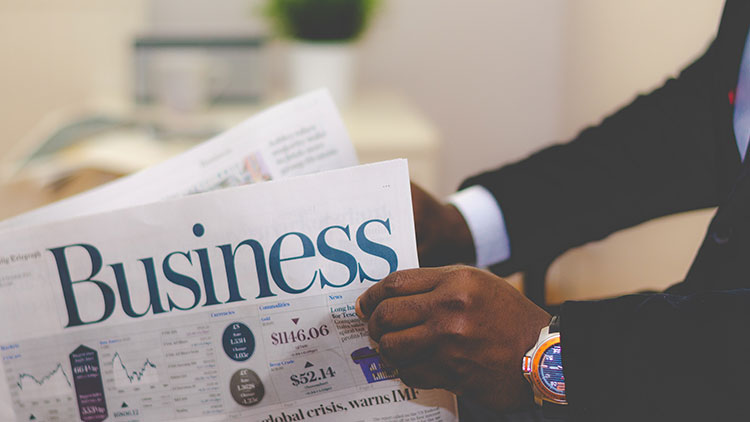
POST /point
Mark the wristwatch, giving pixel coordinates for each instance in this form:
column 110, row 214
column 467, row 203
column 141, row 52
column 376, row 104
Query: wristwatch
column 542, row 367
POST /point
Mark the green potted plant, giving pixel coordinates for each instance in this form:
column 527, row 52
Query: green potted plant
column 322, row 32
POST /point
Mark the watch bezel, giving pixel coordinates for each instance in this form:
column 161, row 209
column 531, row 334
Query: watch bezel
column 536, row 380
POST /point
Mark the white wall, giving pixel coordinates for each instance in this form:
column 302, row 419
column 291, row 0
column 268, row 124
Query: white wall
column 55, row 54
column 196, row 17
column 487, row 72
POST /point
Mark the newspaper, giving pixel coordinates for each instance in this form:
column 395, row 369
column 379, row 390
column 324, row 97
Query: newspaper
column 230, row 305
column 301, row 136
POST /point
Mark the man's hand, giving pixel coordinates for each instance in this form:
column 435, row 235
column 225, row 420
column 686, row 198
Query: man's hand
column 443, row 237
column 457, row 328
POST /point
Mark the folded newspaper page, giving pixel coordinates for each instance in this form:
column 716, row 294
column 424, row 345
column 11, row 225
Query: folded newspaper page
column 236, row 304
column 301, row 136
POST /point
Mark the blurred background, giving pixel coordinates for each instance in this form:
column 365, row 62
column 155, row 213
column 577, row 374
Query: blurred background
column 456, row 87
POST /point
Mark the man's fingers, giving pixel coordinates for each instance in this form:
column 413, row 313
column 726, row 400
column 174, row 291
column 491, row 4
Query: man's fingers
column 400, row 283
column 406, row 347
column 427, row 375
column 398, row 313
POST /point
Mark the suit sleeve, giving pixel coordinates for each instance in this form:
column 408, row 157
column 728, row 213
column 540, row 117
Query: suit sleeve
column 656, row 156
column 657, row 357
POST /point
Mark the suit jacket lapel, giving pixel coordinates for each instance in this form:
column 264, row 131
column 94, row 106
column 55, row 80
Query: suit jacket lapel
column 730, row 42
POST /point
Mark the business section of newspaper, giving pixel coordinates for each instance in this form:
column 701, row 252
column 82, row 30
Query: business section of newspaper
column 298, row 359
column 235, row 304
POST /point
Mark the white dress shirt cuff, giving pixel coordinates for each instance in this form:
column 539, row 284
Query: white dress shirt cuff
column 486, row 224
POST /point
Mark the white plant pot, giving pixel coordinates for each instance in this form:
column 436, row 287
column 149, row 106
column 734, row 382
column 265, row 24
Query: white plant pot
column 314, row 65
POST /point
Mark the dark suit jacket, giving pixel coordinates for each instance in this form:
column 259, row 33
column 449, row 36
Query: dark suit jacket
column 679, row 355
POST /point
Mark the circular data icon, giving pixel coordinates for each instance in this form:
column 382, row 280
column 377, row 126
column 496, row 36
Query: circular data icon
column 246, row 387
column 238, row 342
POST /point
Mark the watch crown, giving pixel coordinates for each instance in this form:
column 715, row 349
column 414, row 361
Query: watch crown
column 526, row 364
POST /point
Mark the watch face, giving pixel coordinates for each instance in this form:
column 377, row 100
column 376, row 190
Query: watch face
column 551, row 370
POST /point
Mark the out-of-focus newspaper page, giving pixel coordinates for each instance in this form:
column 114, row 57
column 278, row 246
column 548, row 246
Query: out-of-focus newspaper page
column 230, row 305
column 301, row 136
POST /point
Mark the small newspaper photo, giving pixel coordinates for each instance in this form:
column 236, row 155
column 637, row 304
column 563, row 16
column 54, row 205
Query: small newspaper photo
column 163, row 297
